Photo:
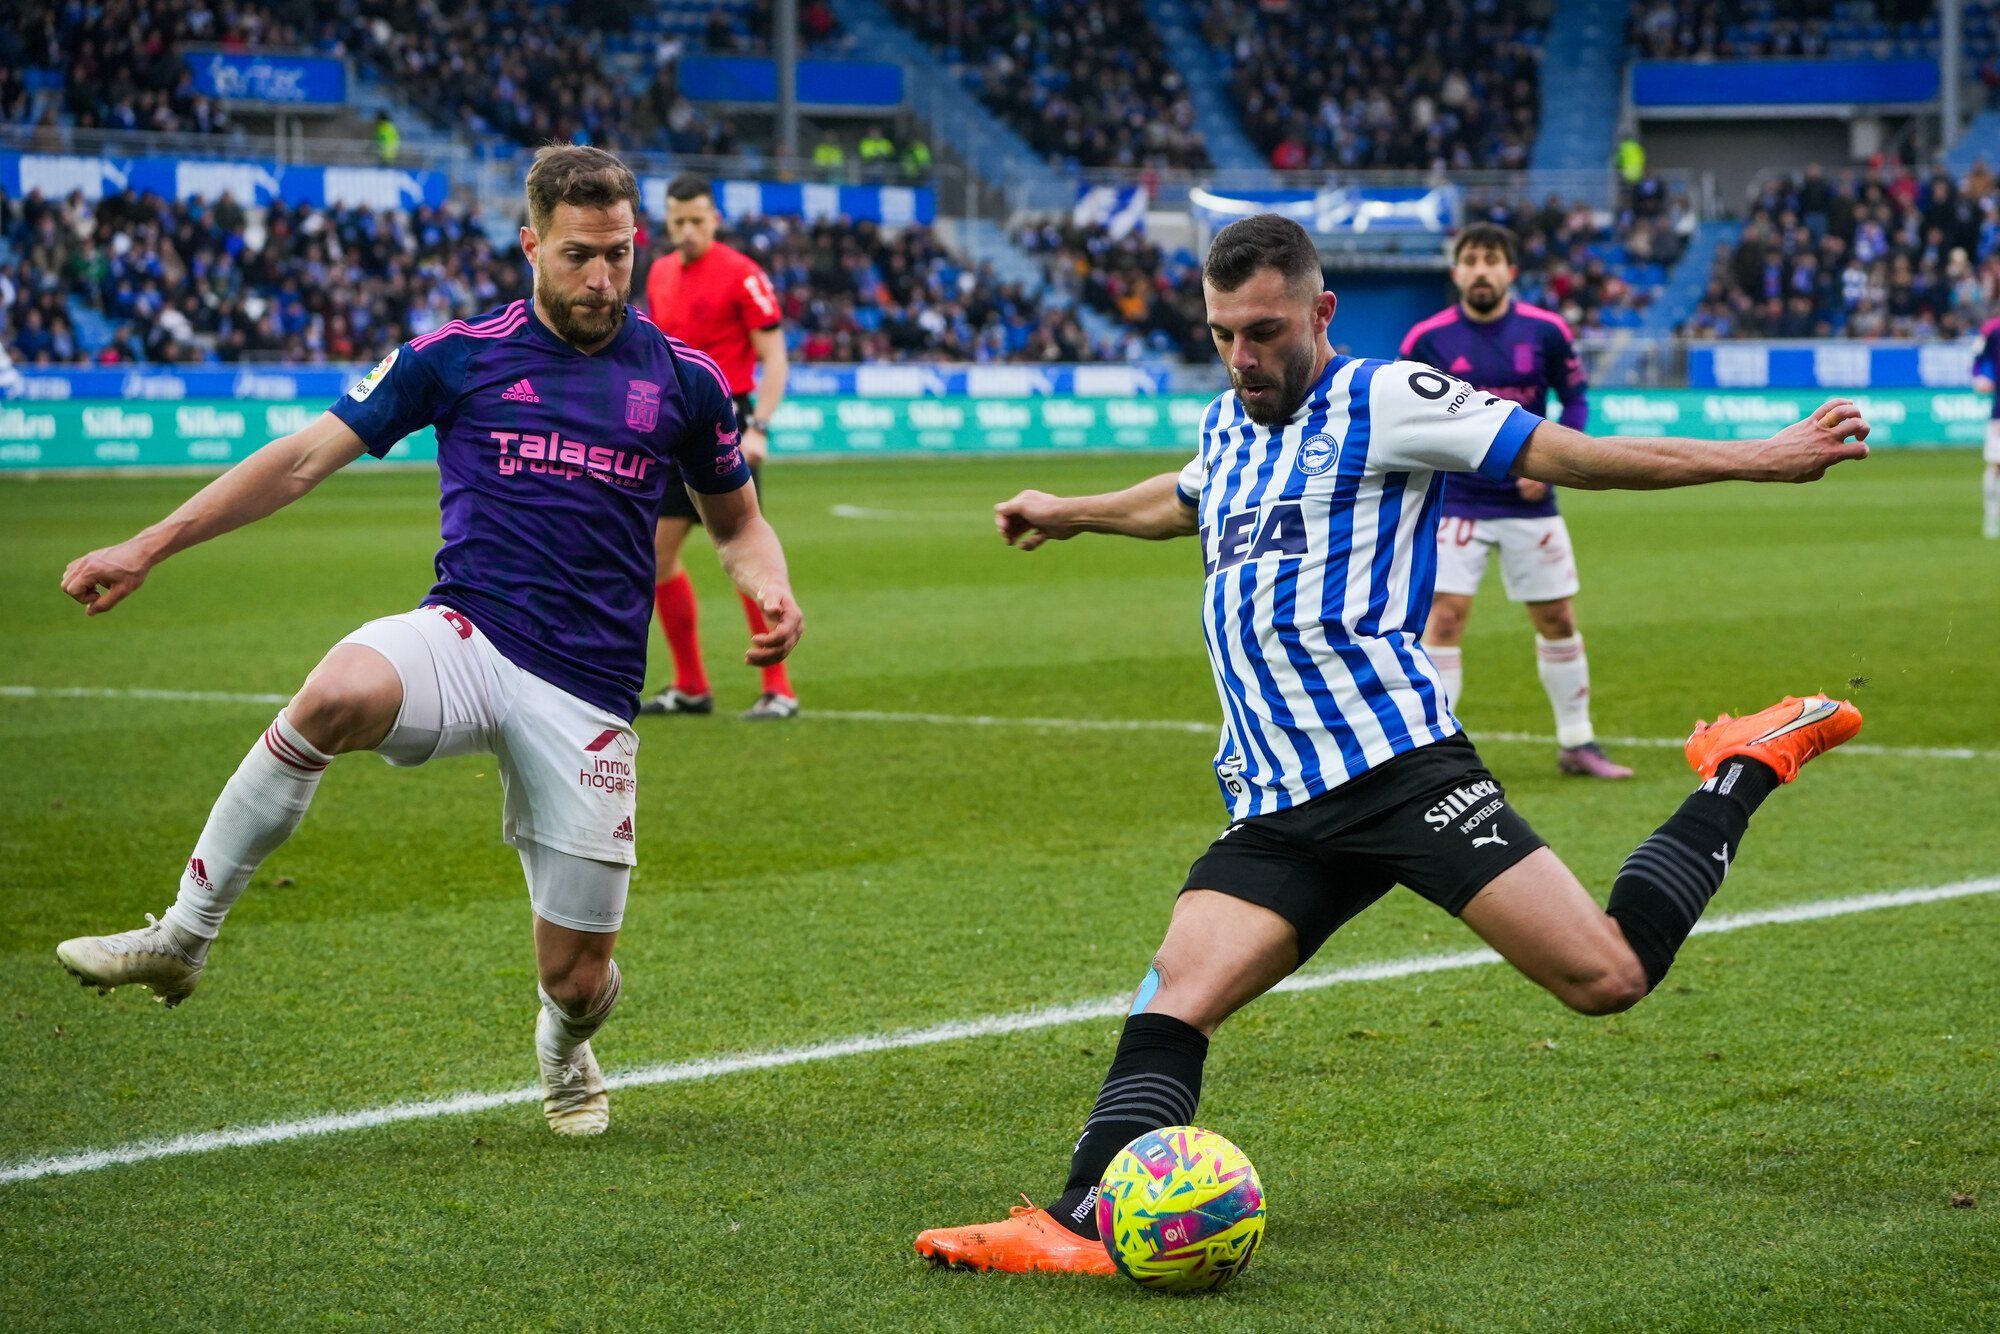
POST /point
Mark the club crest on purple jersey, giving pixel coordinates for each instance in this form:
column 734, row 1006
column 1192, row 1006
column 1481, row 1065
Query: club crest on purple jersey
column 642, row 405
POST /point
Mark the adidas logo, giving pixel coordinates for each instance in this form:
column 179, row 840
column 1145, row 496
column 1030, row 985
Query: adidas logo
column 624, row 829
column 1459, row 366
column 522, row 392
column 199, row 874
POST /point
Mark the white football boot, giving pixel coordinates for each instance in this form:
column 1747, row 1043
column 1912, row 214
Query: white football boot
column 156, row 956
column 574, row 1098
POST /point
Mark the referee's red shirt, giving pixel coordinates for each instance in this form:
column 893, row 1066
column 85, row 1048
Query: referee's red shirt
column 713, row 304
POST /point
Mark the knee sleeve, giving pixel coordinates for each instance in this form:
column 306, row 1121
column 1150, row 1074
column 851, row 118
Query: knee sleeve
column 572, row 891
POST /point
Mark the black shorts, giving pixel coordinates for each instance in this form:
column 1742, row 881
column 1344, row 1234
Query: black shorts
column 677, row 504
column 1432, row 818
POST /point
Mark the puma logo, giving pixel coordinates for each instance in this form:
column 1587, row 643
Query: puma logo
column 1488, row 839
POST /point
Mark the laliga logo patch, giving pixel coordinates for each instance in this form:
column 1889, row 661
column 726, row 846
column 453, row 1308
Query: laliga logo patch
column 642, row 405
column 362, row 390
column 1316, row 455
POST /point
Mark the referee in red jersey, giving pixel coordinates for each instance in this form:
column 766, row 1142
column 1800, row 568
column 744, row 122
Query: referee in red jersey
column 714, row 298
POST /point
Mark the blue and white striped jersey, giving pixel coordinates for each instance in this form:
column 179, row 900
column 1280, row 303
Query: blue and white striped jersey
column 1319, row 539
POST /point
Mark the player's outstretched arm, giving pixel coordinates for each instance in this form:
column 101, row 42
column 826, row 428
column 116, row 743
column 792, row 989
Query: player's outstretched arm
column 1801, row 452
column 1153, row 510
column 262, row 484
column 755, row 562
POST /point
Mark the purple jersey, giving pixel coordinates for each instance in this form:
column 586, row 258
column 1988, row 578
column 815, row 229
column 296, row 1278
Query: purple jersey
column 552, row 465
column 1986, row 363
column 1520, row 357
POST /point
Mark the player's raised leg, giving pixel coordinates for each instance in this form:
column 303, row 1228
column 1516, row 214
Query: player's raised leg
column 349, row 702
column 1601, row 961
column 1220, row 953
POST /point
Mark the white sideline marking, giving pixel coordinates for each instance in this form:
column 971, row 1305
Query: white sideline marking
column 970, row 520
column 1003, row 720
column 993, row 1025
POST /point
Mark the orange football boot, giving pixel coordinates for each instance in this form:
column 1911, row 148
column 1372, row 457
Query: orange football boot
column 1783, row 736
column 1028, row 1242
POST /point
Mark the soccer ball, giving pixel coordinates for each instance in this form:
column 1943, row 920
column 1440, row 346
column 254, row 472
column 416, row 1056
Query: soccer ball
column 1180, row 1210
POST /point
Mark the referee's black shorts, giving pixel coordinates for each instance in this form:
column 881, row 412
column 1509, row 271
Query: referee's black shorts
column 1432, row 818
column 677, row 504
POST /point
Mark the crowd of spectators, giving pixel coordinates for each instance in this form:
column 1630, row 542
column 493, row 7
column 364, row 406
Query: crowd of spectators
column 122, row 62
column 1875, row 253
column 529, row 73
column 1153, row 294
column 1451, row 84
column 859, row 292
column 196, row 281
column 1742, row 29
column 1084, row 81
column 749, row 30
column 1599, row 268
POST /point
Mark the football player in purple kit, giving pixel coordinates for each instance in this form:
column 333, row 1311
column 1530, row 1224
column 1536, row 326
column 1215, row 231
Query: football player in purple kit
column 1986, row 379
column 562, row 422
column 1518, row 352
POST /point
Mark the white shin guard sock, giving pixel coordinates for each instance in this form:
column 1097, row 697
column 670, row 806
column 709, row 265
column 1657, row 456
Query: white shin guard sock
column 1992, row 481
column 1450, row 663
column 560, row 1033
column 260, row 806
column 1565, row 674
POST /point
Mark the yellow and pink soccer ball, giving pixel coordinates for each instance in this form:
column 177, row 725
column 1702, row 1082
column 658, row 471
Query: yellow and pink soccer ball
column 1180, row 1210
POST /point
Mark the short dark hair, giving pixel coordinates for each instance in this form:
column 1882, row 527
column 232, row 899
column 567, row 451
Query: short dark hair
column 1488, row 236
column 580, row 176
column 688, row 186
column 1264, row 241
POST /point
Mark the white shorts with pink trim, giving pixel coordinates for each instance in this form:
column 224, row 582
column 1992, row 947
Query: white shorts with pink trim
column 568, row 769
column 1536, row 562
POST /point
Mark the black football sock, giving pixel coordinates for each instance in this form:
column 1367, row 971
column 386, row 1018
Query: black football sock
column 1668, row 880
column 1155, row 1081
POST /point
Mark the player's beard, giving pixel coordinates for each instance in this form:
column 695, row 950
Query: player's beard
column 1483, row 298
column 1288, row 390
column 584, row 320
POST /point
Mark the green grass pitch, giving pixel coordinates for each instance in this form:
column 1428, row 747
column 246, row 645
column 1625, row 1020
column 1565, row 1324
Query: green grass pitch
column 1774, row 1139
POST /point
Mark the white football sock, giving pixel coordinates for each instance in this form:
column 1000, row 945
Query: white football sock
column 1992, row 481
column 558, row 1033
column 260, row 806
column 1565, row 674
column 1450, row 663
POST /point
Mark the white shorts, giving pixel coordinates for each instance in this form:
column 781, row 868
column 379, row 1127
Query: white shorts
column 568, row 769
column 1993, row 441
column 1536, row 563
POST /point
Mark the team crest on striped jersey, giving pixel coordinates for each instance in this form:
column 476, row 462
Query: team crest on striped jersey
column 1317, row 454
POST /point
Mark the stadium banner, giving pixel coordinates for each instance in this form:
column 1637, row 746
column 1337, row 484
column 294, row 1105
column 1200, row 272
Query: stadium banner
column 1800, row 85
column 1836, row 364
column 251, row 182
column 847, row 85
column 1339, row 211
column 889, row 205
column 312, row 383
column 41, row 436
column 278, row 82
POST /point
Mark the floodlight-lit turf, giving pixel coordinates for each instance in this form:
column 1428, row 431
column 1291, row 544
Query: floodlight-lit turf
column 1775, row 1138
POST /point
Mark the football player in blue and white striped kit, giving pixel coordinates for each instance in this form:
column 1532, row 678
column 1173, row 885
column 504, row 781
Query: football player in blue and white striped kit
column 1315, row 496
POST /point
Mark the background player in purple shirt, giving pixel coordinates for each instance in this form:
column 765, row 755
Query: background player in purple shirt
column 562, row 423
column 1519, row 352
column 1986, row 379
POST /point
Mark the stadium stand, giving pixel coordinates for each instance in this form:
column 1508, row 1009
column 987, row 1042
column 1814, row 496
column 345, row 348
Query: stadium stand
column 1599, row 268
column 1152, row 295
column 119, row 64
column 1452, row 85
column 1862, row 254
column 193, row 282
column 1088, row 84
column 1837, row 29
